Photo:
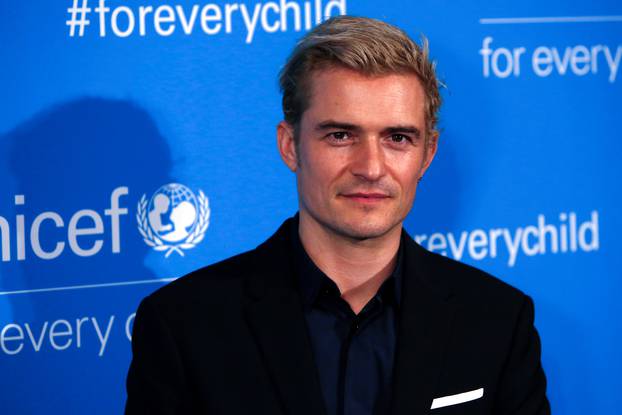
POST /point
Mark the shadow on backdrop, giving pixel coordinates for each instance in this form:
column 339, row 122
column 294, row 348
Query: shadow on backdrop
column 65, row 159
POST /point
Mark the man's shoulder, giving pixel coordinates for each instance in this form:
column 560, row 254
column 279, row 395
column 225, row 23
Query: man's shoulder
column 222, row 286
column 469, row 283
column 480, row 299
column 216, row 284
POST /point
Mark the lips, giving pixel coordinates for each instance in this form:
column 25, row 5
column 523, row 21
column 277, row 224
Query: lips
column 366, row 198
column 367, row 195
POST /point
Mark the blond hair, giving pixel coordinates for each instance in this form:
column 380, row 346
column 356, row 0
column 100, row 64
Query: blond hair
column 365, row 45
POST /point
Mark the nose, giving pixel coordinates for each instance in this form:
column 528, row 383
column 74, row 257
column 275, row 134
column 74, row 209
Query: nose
column 368, row 160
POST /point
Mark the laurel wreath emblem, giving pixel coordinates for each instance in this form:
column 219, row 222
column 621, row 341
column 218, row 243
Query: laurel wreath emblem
column 196, row 236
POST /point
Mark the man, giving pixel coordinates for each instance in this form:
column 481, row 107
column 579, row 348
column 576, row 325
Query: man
column 341, row 312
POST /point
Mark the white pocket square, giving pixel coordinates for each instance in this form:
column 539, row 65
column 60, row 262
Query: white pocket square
column 458, row 398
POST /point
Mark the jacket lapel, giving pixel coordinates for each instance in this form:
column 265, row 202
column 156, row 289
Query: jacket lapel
column 426, row 316
column 275, row 316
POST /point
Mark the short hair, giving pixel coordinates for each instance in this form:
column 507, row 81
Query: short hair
column 365, row 45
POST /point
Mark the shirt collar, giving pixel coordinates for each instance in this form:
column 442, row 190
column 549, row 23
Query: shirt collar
column 312, row 279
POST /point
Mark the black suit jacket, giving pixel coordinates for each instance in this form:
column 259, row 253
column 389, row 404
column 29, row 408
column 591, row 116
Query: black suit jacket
column 231, row 339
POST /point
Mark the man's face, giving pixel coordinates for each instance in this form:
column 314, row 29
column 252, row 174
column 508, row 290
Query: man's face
column 361, row 151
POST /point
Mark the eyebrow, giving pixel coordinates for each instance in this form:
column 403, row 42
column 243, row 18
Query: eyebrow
column 395, row 129
column 336, row 125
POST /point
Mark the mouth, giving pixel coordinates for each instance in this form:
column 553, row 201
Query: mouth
column 363, row 197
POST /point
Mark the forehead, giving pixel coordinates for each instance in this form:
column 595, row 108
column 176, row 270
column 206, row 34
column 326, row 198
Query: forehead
column 365, row 100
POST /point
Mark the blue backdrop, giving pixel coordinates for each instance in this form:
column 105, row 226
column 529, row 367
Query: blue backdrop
column 105, row 102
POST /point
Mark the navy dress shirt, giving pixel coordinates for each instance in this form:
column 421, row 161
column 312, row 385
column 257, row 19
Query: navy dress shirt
column 353, row 353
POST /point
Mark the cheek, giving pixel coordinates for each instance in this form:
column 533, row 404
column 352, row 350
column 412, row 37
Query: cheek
column 406, row 170
column 322, row 168
column 312, row 180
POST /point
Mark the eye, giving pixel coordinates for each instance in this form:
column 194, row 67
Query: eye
column 400, row 138
column 339, row 135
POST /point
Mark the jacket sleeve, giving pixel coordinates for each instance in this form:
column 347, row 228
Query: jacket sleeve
column 155, row 381
column 522, row 387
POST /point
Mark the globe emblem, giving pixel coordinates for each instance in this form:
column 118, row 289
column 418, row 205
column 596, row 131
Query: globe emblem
column 173, row 212
column 174, row 219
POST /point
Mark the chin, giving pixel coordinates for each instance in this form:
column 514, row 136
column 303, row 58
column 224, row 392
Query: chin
column 363, row 230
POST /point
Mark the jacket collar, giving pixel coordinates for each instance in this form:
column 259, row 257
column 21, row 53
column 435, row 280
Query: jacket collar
column 275, row 315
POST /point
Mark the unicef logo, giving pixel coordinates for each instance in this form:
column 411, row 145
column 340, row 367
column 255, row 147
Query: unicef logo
column 174, row 219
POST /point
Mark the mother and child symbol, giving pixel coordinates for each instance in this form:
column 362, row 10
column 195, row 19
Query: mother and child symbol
column 174, row 219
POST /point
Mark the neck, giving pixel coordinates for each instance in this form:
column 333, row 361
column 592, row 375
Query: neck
column 358, row 267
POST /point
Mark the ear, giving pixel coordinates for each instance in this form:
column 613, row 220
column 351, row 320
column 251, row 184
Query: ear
column 287, row 145
column 430, row 151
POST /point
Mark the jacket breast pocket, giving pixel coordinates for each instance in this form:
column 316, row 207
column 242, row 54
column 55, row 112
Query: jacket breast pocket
column 459, row 401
